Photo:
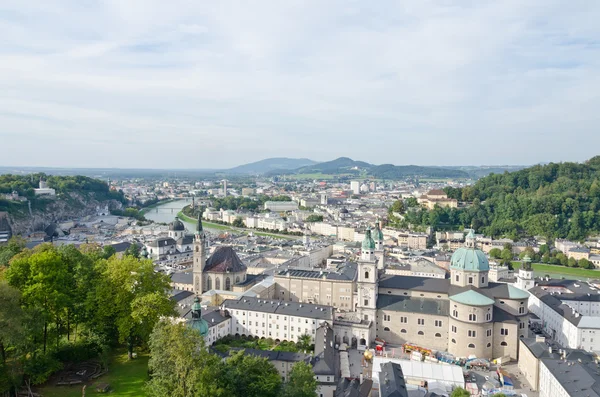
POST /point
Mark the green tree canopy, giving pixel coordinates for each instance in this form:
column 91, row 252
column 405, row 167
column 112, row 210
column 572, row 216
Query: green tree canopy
column 302, row 381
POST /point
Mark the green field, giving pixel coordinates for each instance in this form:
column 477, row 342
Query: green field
column 126, row 378
column 542, row 269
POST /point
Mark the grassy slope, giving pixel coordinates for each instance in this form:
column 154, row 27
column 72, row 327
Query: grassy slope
column 126, row 378
column 553, row 269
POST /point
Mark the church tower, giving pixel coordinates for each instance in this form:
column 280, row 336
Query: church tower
column 379, row 252
column 200, row 248
column 367, row 282
column 525, row 280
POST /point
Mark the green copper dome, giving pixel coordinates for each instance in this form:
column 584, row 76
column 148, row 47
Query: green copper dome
column 378, row 233
column 469, row 259
column 368, row 243
column 197, row 322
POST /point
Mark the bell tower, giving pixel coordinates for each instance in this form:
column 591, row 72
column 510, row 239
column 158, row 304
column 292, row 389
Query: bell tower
column 525, row 280
column 199, row 257
column 367, row 282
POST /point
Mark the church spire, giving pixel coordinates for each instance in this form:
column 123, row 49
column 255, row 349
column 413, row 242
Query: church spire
column 199, row 228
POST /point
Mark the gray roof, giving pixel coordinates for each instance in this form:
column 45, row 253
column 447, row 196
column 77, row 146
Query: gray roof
column 348, row 387
column 578, row 375
column 346, row 271
column 182, row 277
column 188, row 239
column 556, row 304
column 424, row 284
column 579, row 291
column 391, row 381
column 502, row 316
column 280, row 307
column 162, row 242
column 178, row 296
column 324, row 359
column 538, row 349
column 410, row 304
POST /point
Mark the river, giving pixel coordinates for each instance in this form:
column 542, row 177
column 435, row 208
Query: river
column 166, row 213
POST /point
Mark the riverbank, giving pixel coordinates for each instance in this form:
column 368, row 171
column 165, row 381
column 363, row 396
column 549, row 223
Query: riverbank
column 210, row 225
column 542, row 269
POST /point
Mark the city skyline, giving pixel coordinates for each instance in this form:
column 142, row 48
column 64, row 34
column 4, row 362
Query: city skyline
column 212, row 86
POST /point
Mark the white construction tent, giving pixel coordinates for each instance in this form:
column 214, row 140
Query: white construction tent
column 440, row 375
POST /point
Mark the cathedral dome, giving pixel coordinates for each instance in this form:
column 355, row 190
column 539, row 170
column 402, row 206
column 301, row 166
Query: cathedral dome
column 368, row 244
column 176, row 226
column 197, row 322
column 469, row 259
column 378, row 235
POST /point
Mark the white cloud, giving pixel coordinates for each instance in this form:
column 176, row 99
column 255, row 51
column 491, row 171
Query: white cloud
column 427, row 82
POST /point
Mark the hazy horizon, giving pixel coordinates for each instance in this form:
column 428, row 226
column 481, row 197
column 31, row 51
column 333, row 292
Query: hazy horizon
column 156, row 85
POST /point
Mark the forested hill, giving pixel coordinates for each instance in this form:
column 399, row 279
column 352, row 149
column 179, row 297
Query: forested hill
column 25, row 185
column 554, row 200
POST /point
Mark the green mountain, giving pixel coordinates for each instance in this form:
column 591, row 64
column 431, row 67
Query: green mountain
column 346, row 166
column 556, row 200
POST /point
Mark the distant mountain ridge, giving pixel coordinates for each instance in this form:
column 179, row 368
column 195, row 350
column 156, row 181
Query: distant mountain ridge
column 347, row 166
column 270, row 164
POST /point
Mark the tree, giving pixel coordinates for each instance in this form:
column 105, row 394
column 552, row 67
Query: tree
column 13, row 247
column 11, row 318
column 302, row 382
column 180, row 364
column 572, row 262
column 250, row 376
column 304, row 342
column 44, row 278
column 133, row 250
column 460, row 392
column 131, row 298
column 398, row 207
column 411, row 202
column 238, row 222
column 496, row 253
column 507, row 256
column 585, row 264
column 314, row 218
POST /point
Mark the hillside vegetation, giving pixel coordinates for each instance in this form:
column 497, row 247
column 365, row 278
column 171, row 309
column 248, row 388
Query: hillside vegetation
column 554, row 200
column 64, row 186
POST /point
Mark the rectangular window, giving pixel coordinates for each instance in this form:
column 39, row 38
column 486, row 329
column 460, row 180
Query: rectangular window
column 453, row 329
column 457, row 278
column 366, row 302
column 421, row 321
column 489, row 332
column 386, row 317
column 438, row 323
column 504, row 331
column 470, row 280
column 472, row 334
column 404, row 320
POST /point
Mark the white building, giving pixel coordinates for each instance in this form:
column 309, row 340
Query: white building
column 276, row 319
column 281, row 206
column 44, row 190
column 574, row 376
column 355, row 187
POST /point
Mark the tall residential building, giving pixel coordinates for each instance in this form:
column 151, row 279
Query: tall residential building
column 355, row 187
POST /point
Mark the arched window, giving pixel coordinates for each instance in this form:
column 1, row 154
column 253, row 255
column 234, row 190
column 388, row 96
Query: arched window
column 217, row 283
column 237, row 279
column 488, row 316
column 438, row 335
column 209, row 283
column 402, row 331
column 366, row 275
column 386, row 329
column 421, row 333
column 227, row 284
column 197, row 248
column 503, row 344
column 471, row 346
column 453, row 340
column 472, row 317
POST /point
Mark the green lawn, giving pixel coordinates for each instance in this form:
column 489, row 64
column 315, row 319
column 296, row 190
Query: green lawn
column 126, row 378
column 542, row 268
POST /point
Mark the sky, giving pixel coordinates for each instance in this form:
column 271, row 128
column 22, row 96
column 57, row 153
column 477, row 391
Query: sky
column 215, row 84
